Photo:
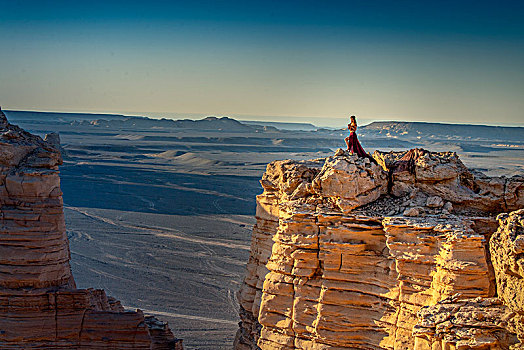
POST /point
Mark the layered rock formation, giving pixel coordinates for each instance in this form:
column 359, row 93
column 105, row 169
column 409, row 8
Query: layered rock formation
column 507, row 254
column 345, row 254
column 480, row 323
column 40, row 307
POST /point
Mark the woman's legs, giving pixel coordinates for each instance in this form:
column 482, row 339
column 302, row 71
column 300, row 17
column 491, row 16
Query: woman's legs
column 350, row 145
column 355, row 147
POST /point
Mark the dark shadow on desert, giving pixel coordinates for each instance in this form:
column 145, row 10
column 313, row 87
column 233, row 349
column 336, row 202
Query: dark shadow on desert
column 160, row 192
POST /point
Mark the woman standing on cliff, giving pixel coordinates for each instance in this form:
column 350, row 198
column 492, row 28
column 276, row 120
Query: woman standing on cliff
column 352, row 141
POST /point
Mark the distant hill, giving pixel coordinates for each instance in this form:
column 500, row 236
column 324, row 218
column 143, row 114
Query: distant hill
column 283, row 125
column 446, row 131
column 56, row 117
column 225, row 124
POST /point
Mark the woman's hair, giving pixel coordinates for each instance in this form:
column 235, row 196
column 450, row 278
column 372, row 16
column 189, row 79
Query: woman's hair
column 352, row 118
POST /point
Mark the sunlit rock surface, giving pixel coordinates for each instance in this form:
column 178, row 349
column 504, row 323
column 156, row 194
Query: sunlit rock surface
column 480, row 323
column 345, row 254
column 40, row 307
column 443, row 174
column 507, row 255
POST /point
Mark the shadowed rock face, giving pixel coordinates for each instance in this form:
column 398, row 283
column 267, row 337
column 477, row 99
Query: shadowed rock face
column 40, row 306
column 34, row 251
column 345, row 254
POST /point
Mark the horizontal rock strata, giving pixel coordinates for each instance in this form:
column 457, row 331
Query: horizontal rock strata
column 480, row 323
column 40, row 307
column 336, row 261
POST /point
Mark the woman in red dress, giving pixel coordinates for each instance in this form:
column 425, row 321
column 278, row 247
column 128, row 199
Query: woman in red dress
column 352, row 141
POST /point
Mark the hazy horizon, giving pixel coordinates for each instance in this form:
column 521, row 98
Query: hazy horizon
column 334, row 122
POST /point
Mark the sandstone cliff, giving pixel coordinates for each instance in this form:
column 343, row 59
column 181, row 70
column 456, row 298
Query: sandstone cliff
column 40, row 307
column 347, row 254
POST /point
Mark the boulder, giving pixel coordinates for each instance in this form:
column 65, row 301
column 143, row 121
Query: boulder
column 434, row 202
column 351, row 181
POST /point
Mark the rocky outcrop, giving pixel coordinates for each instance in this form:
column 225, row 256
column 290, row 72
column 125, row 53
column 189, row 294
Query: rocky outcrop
column 443, row 174
column 345, row 253
column 480, row 323
column 507, row 255
column 349, row 185
column 40, row 306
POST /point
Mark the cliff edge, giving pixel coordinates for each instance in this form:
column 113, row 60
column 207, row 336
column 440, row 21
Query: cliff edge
column 350, row 254
column 40, row 306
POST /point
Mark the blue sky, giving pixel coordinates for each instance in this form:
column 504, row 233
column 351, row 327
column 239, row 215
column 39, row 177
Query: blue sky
column 449, row 61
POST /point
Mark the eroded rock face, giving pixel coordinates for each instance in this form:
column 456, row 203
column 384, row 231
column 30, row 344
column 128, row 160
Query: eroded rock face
column 39, row 304
column 34, row 251
column 322, row 275
column 507, row 254
column 480, row 323
column 442, row 174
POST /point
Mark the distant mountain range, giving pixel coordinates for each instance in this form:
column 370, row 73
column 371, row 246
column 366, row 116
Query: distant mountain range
column 381, row 130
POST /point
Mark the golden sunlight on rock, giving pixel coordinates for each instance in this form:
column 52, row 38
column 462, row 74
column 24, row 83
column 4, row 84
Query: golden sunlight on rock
column 336, row 265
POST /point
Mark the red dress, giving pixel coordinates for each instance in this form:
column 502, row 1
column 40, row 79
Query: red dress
column 354, row 145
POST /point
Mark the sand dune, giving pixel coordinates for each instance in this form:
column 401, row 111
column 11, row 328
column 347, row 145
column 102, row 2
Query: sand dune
column 129, row 137
column 188, row 158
